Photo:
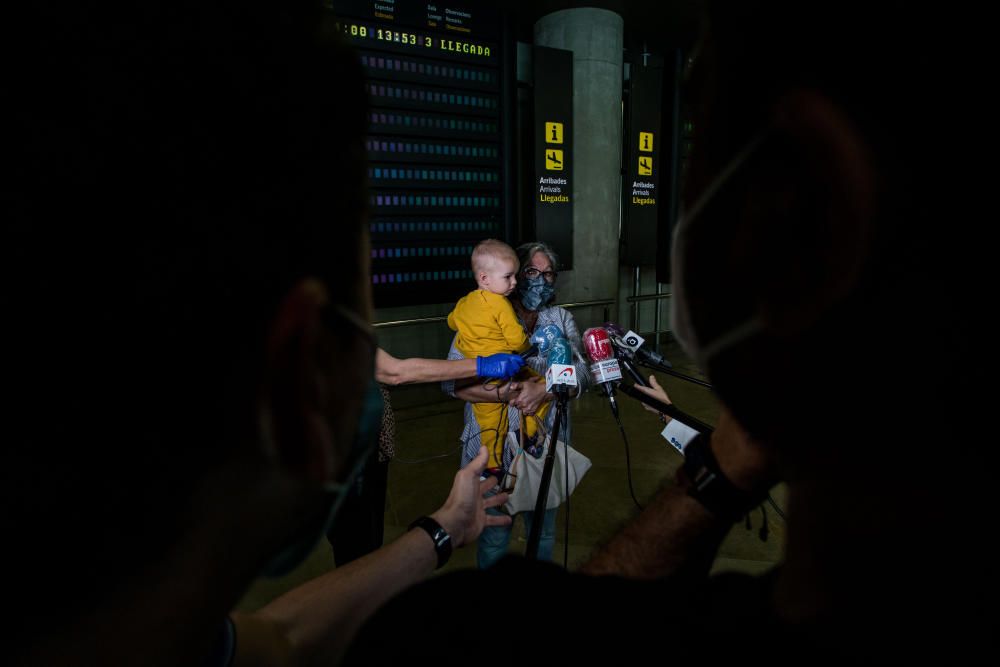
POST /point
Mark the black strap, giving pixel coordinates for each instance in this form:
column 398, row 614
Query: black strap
column 438, row 535
column 710, row 487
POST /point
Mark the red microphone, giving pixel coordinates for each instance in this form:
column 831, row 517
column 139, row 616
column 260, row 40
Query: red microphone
column 598, row 344
column 604, row 363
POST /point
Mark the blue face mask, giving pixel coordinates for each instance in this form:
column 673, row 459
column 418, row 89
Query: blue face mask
column 365, row 441
column 536, row 292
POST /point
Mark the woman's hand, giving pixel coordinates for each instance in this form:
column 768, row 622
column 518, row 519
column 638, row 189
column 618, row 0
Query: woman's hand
column 531, row 396
column 476, row 392
column 657, row 392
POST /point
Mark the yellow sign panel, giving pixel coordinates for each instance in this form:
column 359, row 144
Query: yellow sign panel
column 645, row 166
column 553, row 133
column 646, row 142
column 553, row 159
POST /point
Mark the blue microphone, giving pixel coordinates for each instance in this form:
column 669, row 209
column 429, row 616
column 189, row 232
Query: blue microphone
column 559, row 352
column 561, row 372
column 541, row 339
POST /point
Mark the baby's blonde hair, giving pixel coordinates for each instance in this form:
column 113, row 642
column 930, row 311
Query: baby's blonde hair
column 487, row 251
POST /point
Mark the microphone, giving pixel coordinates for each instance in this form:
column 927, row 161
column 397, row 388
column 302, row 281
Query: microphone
column 633, row 342
column 623, row 352
column 652, row 359
column 668, row 409
column 630, row 346
column 561, row 372
column 613, row 329
column 541, row 339
column 604, row 368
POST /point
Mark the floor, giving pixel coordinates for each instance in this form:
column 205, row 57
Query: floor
column 427, row 457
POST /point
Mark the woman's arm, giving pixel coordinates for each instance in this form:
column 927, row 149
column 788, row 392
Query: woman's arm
column 531, row 396
column 477, row 393
column 568, row 325
column 527, row 396
column 392, row 371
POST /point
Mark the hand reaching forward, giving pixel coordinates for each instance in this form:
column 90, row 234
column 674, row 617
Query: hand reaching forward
column 463, row 514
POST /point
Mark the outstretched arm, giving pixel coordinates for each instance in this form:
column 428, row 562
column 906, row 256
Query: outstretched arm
column 675, row 532
column 476, row 392
column 314, row 623
column 392, row 371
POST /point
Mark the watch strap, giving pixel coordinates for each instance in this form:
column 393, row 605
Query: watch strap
column 438, row 535
column 710, row 487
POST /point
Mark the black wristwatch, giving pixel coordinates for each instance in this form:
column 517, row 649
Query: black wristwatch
column 438, row 535
column 710, row 487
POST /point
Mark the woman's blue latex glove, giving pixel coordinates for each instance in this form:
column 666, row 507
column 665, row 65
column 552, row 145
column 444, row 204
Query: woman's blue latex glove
column 500, row 365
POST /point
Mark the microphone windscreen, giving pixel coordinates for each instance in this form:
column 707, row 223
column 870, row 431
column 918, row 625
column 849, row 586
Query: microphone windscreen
column 560, row 352
column 543, row 337
column 598, row 344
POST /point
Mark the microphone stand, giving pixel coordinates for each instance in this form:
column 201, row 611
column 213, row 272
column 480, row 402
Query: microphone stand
column 535, row 537
column 666, row 409
column 670, row 371
column 633, row 373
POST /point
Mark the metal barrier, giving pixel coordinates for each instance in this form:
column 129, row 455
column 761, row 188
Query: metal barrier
column 444, row 318
column 649, row 297
column 404, row 323
column 591, row 304
column 635, row 299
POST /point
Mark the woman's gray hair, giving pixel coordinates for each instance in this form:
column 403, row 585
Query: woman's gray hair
column 526, row 251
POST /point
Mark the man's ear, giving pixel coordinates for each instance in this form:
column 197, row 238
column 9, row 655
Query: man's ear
column 813, row 199
column 294, row 426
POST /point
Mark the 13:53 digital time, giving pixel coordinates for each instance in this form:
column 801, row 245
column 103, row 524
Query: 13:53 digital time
column 385, row 35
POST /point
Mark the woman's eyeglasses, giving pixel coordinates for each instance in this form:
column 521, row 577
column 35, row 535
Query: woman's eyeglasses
column 531, row 273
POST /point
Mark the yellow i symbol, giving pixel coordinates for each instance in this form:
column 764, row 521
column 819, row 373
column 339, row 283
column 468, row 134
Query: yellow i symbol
column 646, row 142
column 553, row 133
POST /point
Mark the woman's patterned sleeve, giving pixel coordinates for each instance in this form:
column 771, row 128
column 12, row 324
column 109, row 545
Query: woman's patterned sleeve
column 580, row 361
column 448, row 386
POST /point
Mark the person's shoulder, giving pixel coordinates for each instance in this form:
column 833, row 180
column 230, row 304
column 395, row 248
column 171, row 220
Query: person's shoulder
column 558, row 311
column 556, row 314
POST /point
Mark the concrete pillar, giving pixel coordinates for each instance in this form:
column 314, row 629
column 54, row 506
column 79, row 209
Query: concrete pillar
column 595, row 38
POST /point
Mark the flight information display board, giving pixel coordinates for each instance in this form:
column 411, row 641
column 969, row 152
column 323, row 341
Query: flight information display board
column 436, row 144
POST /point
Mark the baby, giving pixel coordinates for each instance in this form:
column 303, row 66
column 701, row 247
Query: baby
column 486, row 324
